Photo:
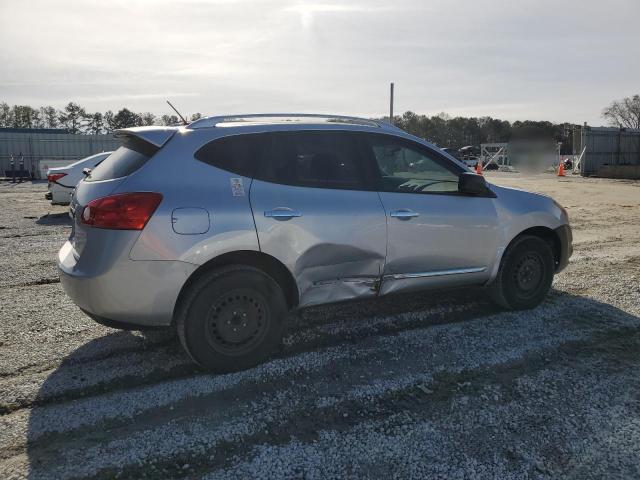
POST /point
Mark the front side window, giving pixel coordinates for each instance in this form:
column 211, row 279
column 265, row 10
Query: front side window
column 404, row 167
column 322, row 159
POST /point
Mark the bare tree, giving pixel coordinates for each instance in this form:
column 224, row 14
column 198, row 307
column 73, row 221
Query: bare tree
column 95, row 123
column 125, row 118
column 6, row 115
column 25, row 117
column 148, row 118
column 624, row 113
column 109, row 125
column 170, row 120
column 49, row 116
column 72, row 117
column 38, row 119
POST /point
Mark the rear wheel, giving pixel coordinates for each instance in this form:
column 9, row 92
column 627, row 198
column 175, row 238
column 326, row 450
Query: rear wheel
column 232, row 318
column 525, row 274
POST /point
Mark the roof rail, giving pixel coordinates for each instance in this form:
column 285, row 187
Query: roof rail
column 209, row 122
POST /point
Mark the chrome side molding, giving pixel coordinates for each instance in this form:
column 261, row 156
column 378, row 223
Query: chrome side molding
column 435, row 273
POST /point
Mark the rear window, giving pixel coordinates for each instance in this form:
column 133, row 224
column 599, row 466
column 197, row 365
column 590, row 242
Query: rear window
column 124, row 161
column 91, row 161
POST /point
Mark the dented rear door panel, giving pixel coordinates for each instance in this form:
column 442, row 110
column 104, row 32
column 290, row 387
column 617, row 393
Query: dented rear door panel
column 333, row 241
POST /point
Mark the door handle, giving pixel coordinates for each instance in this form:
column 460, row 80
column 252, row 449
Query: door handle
column 404, row 214
column 282, row 213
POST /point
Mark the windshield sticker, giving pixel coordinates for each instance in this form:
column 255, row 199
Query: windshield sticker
column 237, row 188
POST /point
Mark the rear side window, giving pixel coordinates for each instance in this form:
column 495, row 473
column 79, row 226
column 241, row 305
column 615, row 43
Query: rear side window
column 237, row 154
column 321, row 159
column 124, row 161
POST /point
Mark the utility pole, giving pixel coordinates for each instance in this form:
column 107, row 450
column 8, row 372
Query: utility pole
column 391, row 105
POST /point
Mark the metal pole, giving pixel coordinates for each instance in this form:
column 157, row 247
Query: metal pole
column 391, row 105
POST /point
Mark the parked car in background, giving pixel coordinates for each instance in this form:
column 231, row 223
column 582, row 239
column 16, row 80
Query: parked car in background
column 458, row 155
column 568, row 164
column 470, row 162
column 63, row 180
column 469, row 155
column 221, row 227
column 469, row 151
column 451, row 151
column 491, row 166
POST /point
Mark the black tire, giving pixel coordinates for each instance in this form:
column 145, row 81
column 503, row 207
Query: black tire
column 525, row 274
column 232, row 318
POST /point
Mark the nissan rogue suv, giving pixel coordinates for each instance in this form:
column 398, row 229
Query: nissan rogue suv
column 222, row 226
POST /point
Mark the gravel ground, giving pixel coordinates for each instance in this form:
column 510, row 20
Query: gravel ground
column 441, row 385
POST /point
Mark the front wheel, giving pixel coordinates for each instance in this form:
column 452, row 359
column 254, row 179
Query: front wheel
column 525, row 274
column 232, row 318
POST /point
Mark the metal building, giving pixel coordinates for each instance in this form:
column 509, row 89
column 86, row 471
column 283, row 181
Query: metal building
column 30, row 147
column 608, row 152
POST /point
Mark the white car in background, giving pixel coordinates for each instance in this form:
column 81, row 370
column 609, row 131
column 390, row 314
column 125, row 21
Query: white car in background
column 63, row 180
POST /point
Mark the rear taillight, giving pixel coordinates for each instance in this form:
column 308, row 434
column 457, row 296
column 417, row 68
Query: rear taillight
column 54, row 177
column 126, row 211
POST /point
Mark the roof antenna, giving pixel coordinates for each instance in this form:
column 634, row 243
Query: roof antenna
column 176, row 110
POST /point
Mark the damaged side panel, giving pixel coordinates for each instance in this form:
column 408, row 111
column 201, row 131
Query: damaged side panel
column 329, row 273
column 340, row 289
column 334, row 241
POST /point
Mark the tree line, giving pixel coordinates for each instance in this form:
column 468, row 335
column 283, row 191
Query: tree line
column 441, row 129
column 457, row 132
column 76, row 119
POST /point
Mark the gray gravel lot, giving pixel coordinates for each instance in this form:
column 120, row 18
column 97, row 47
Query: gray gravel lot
column 440, row 385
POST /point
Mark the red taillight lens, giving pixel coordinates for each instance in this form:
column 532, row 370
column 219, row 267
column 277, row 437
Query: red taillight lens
column 126, row 211
column 54, row 177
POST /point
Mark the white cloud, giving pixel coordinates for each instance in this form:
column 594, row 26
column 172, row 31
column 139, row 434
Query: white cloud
column 537, row 59
column 307, row 10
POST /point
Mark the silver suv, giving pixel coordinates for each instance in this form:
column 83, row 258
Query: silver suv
column 223, row 226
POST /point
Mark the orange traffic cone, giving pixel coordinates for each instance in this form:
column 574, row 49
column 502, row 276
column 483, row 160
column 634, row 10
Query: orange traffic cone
column 479, row 167
column 561, row 170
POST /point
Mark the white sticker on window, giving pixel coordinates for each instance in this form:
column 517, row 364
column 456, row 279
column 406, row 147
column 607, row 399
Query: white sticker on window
column 237, row 187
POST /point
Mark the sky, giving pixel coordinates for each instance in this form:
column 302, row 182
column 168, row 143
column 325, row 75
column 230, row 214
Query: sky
column 514, row 60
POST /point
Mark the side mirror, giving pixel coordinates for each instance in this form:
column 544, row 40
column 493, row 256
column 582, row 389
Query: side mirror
column 86, row 171
column 474, row 184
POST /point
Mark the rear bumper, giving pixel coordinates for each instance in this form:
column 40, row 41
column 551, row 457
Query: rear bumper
column 131, row 292
column 566, row 246
column 59, row 194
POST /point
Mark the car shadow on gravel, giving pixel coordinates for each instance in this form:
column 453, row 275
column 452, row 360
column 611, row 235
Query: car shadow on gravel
column 158, row 357
column 61, row 218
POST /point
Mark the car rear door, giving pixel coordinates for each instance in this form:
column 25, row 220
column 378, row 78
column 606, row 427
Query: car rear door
column 436, row 236
column 315, row 212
